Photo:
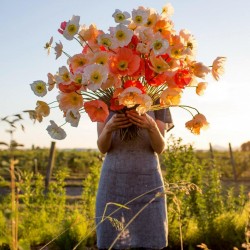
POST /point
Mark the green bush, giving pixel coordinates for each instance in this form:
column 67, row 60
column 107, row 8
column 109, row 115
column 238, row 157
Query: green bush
column 210, row 217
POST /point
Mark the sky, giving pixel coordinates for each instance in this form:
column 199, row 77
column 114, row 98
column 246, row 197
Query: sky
column 221, row 28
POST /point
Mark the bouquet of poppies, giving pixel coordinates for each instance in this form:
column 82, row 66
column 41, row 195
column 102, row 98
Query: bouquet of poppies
column 141, row 63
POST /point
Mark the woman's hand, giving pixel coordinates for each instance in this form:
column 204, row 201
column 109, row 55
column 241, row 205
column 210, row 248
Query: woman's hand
column 117, row 121
column 155, row 129
column 142, row 121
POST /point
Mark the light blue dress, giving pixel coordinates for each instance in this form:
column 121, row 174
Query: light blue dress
column 130, row 169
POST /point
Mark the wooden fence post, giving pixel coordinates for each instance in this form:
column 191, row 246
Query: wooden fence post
column 211, row 154
column 14, row 205
column 35, row 168
column 50, row 165
column 232, row 162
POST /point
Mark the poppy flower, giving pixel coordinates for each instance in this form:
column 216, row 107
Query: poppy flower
column 42, row 110
column 68, row 88
column 125, row 62
column 69, row 101
column 55, row 131
column 97, row 110
column 218, row 67
column 115, row 105
column 182, row 78
column 136, row 84
column 198, row 122
column 130, row 96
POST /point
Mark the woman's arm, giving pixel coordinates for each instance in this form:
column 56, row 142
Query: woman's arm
column 156, row 129
column 105, row 130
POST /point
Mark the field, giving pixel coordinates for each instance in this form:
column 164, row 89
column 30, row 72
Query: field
column 208, row 203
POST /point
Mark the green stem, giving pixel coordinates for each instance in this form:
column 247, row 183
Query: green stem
column 84, row 42
column 78, row 41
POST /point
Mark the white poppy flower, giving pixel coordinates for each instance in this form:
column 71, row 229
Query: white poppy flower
column 140, row 16
column 121, row 17
column 55, row 131
column 71, row 28
column 95, row 75
column 107, row 41
column 160, row 46
column 122, row 35
column 63, row 76
column 39, row 88
column 73, row 117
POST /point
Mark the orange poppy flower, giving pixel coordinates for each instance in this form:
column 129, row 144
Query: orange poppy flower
column 69, row 101
column 133, row 43
column 77, row 61
column 125, row 62
column 182, row 78
column 198, row 122
column 97, row 110
column 42, row 110
column 115, row 105
column 153, row 78
column 72, row 87
column 136, row 84
column 164, row 27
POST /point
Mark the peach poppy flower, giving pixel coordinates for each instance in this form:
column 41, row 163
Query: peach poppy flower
column 69, row 88
column 167, row 10
column 97, row 110
column 152, row 18
column 42, row 110
column 145, row 104
column 125, row 62
column 107, row 41
column 201, row 87
column 145, row 34
column 198, row 122
column 159, row 65
column 51, row 81
column 143, row 48
column 189, row 42
column 101, row 57
column 130, row 97
column 199, row 69
column 117, row 92
column 164, row 27
column 58, row 49
column 70, row 101
column 63, row 76
column 88, row 33
column 55, row 131
column 112, row 81
column 171, row 96
column 176, row 51
column 77, row 61
column 218, row 67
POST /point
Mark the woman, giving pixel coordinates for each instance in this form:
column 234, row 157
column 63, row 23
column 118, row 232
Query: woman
column 130, row 213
